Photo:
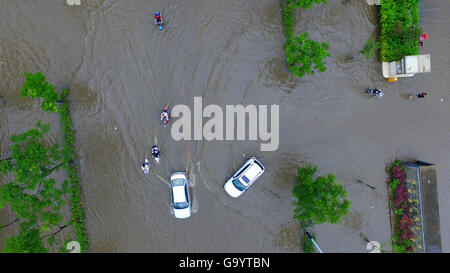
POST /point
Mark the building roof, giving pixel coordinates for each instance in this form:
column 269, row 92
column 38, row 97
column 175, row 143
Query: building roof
column 424, row 206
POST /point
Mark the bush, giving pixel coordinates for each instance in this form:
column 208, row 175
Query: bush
column 77, row 219
column 403, row 224
column 369, row 49
column 400, row 31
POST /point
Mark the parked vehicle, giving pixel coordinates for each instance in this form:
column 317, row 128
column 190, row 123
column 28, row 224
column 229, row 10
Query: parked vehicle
column 408, row 66
column 244, row 177
column 181, row 201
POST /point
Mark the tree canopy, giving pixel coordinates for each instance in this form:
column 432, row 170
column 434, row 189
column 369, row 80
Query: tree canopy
column 27, row 241
column 304, row 55
column 32, row 196
column 36, row 86
column 319, row 199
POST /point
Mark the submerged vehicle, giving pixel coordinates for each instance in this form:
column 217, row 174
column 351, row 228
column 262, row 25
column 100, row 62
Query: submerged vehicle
column 181, row 201
column 407, row 66
column 244, row 177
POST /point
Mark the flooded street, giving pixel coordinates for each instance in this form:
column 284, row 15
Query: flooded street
column 121, row 71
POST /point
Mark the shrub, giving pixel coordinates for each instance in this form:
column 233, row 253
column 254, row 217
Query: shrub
column 403, row 224
column 400, row 31
column 77, row 219
column 369, row 49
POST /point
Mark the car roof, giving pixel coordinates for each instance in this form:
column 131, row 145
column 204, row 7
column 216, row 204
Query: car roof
column 252, row 172
column 179, row 194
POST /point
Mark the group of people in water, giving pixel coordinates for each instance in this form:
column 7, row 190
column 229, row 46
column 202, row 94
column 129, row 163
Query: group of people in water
column 379, row 93
column 422, row 38
column 164, row 115
column 155, row 149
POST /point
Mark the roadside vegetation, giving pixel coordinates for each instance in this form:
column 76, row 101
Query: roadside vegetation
column 400, row 31
column 319, row 199
column 303, row 55
column 402, row 222
column 370, row 48
column 34, row 196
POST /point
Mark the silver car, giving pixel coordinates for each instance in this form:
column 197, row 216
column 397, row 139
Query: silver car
column 244, row 177
column 181, row 201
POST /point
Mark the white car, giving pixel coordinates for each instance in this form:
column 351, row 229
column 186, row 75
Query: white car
column 180, row 195
column 244, row 177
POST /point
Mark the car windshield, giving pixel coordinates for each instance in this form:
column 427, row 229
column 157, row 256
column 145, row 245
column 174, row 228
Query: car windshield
column 238, row 184
column 181, row 205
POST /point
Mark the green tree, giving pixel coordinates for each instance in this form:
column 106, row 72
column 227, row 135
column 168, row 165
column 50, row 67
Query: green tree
column 36, row 86
column 319, row 199
column 27, row 241
column 301, row 52
column 304, row 55
column 32, row 196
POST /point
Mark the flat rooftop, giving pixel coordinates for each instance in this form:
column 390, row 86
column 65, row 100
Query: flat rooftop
column 424, row 206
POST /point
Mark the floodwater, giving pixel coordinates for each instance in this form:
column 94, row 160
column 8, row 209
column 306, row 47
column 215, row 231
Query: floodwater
column 121, row 70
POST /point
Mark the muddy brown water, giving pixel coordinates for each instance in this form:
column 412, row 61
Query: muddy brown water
column 121, row 70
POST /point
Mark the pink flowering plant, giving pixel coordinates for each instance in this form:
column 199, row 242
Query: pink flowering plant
column 403, row 223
